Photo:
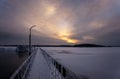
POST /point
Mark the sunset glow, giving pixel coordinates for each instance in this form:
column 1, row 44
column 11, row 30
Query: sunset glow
column 65, row 36
column 53, row 25
column 69, row 40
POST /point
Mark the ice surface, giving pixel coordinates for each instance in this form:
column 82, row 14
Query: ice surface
column 95, row 63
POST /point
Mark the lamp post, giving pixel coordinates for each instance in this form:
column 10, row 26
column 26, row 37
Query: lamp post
column 30, row 30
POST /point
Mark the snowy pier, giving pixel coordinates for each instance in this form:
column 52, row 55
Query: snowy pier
column 40, row 65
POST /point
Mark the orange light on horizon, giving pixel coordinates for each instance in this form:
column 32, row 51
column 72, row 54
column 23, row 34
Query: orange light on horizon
column 69, row 40
column 65, row 36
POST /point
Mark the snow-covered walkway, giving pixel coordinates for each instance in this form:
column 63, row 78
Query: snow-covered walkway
column 39, row 68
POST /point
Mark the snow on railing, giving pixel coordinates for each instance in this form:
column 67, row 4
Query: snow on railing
column 23, row 71
column 58, row 71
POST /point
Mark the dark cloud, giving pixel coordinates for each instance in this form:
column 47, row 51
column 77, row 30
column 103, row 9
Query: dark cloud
column 89, row 21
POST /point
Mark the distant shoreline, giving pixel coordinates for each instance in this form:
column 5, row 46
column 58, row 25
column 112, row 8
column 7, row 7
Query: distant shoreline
column 76, row 45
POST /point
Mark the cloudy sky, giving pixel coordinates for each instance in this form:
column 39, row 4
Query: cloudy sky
column 60, row 21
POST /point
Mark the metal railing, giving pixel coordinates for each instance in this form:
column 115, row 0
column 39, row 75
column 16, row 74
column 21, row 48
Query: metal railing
column 58, row 71
column 23, row 71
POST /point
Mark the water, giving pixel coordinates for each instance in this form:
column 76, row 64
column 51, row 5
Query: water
column 94, row 63
column 10, row 60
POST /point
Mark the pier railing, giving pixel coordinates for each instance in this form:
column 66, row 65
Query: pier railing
column 23, row 71
column 57, row 70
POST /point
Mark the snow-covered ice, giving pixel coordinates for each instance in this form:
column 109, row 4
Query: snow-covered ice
column 95, row 63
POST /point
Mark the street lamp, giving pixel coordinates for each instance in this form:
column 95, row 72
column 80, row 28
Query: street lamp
column 30, row 30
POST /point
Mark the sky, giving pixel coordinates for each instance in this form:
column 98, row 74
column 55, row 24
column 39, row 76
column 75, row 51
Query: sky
column 60, row 22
